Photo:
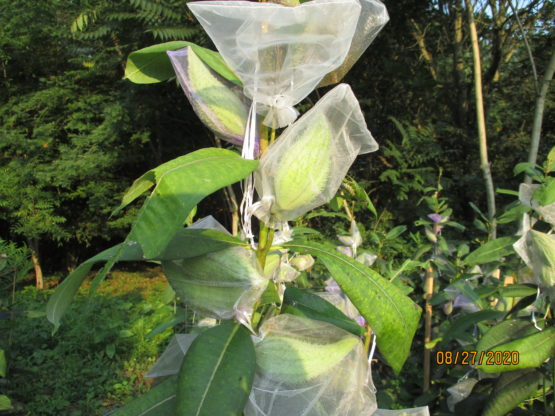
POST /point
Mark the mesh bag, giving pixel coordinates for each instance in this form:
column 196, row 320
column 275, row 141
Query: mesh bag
column 373, row 17
column 218, row 284
column 304, row 168
column 216, row 102
column 280, row 53
column 309, row 368
column 170, row 360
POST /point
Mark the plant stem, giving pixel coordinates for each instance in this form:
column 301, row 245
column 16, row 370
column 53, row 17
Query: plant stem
column 481, row 120
column 538, row 113
column 429, row 291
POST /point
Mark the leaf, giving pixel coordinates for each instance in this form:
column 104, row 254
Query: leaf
column 463, row 323
column 151, row 64
column 3, row 363
column 391, row 315
column 395, row 232
column 185, row 244
column 510, row 390
column 518, row 291
column 528, row 168
column 513, row 214
column 491, row 251
column 179, row 317
column 160, row 400
column 302, row 303
column 217, row 372
column 532, row 350
column 504, row 332
column 180, row 185
column 62, row 297
column 5, row 402
column 545, row 194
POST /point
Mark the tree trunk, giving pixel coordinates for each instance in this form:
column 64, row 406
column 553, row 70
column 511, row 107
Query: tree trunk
column 35, row 257
column 481, row 120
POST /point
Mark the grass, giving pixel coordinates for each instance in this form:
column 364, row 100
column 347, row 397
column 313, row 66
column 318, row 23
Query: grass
column 96, row 360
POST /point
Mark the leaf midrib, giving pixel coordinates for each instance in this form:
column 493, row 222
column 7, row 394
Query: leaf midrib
column 220, row 358
column 356, row 267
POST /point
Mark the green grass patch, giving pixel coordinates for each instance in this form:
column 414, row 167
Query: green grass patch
column 96, row 361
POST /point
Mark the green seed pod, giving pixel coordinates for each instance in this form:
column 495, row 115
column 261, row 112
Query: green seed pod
column 304, row 168
column 218, row 284
column 217, row 103
column 296, row 349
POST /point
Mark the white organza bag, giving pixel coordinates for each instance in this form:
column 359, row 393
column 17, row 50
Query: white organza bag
column 373, row 17
column 280, row 53
column 304, row 168
column 309, row 368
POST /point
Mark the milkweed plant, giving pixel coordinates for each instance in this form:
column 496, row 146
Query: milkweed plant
column 267, row 347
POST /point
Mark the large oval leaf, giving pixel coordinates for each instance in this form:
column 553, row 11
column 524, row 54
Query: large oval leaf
column 302, row 303
column 217, row 373
column 180, row 185
column 151, row 64
column 186, row 243
column 392, row 315
column 510, row 390
column 531, row 351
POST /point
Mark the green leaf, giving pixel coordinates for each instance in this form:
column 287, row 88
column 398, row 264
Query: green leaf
column 5, row 402
column 529, row 168
column 532, row 350
column 395, row 232
column 179, row 317
column 550, row 162
column 463, row 323
column 391, row 315
column 302, row 303
column 61, row 299
column 545, row 194
column 506, row 191
column 513, row 214
column 217, row 373
column 504, row 332
column 3, row 363
column 151, row 64
column 180, row 185
column 186, row 243
column 510, row 390
column 517, row 291
column 160, row 400
column 491, row 251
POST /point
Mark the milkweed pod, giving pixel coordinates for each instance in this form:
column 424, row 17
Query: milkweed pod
column 219, row 105
column 304, row 168
column 309, row 367
column 218, row 284
column 280, row 53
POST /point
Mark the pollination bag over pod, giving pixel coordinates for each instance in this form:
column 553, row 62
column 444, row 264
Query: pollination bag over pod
column 310, row 368
column 304, row 168
column 280, row 53
column 373, row 17
column 218, row 103
column 218, row 284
